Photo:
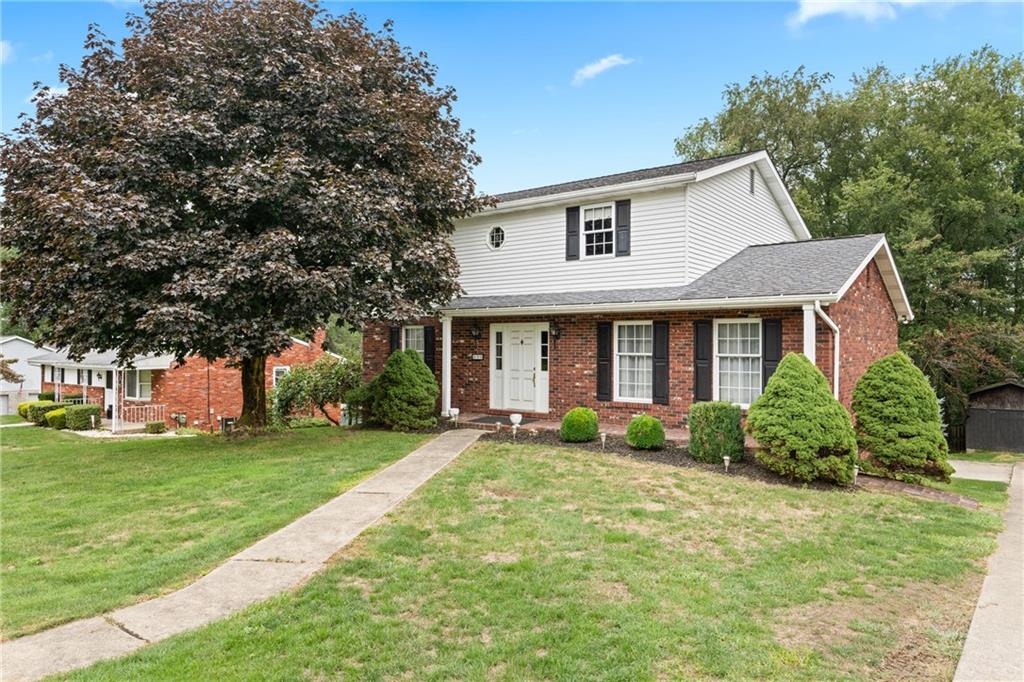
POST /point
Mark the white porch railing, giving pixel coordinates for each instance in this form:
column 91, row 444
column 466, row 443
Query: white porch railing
column 140, row 414
column 80, row 401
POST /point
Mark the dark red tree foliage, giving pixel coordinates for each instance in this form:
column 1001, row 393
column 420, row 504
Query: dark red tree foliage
column 234, row 173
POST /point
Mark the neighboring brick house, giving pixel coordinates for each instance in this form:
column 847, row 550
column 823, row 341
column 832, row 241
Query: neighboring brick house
column 196, row 393
column 647, row 291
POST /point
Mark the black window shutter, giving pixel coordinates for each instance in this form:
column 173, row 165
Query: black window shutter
column 604, row 360
column 622, row 209
column 109, row 378
column 660, row 383
column 771, row 348
column 428, row 346
column 572, row 233
column 702, row 353
column 88, row 374
column 396, row 339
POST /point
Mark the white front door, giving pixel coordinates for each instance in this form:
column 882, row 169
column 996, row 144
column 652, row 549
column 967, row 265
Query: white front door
column 522, row 369
column 519, row 367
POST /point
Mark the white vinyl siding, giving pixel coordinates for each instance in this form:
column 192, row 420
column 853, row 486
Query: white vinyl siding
column 634, row 361
column 723, row 218
column 533, row 257
column 738, row 361
column 138, row 384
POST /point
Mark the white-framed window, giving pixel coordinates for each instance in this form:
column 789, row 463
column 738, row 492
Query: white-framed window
column 598, row 233
column 737, row 370
column 412, row 337
column 496, row 238
column 634, row 361
column 138, row 384
column 279, row 372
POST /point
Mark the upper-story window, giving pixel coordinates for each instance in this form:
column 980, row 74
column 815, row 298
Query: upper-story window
column 496, row 238
column 413, row 338
column 598, row 231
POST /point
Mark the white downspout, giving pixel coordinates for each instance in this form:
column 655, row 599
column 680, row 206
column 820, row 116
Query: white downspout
column 115, row 410
column 835, row 350
column 446, row 365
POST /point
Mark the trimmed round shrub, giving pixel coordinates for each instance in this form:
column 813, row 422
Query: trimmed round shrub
column 23, row 408
column 898, row 422
column 645, row 433
column 37, row 411
column 57, row 419
column 403, row 396
column 803, row 431
column 579, row 425
column 156, row 427
column 79, row 417
column 716, row 431
column 47, row 395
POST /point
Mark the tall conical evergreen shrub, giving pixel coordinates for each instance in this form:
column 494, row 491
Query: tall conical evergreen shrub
column 803, row 431
column 404, row 395
column 898, row 423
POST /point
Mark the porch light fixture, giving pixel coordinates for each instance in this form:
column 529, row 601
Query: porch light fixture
column 475, row 330
column 556, row 331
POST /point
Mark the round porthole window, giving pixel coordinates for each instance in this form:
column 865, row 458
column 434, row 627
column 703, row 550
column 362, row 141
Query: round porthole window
column 496, row 238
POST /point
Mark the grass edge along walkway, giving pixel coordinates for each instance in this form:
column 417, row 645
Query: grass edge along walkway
column 281, row 561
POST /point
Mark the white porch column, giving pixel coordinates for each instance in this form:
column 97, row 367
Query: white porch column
column 116, row 408
column 446, row 365
column 810, row 333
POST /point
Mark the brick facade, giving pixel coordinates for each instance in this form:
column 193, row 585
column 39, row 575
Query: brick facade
column 865, row 315
column 869, row 328
column 205, row 392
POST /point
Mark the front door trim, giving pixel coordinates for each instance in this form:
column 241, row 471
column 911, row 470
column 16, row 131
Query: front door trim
column 500, row 380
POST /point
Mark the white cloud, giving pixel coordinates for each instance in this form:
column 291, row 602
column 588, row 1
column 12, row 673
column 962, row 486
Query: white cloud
column 59, row 90
column 6, row 51
column 595, row 69
column 866, row 10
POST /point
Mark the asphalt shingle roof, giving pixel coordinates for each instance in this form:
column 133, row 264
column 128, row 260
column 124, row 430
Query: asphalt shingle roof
column 618, row 178
column 817, row 266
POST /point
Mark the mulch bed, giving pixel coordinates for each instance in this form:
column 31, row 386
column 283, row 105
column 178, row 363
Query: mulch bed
column 672, row 455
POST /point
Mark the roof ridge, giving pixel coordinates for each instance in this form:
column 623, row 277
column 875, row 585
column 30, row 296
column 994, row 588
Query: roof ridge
column 819, row 239
column 596, row 178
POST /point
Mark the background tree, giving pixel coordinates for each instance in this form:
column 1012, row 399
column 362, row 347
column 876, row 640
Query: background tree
column 236, row 171
column 934, row 160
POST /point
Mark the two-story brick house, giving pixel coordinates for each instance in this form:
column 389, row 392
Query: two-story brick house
column 646, row 291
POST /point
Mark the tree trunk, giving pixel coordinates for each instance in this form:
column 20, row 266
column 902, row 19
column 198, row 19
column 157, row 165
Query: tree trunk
column 254, row 393
column 329, row 417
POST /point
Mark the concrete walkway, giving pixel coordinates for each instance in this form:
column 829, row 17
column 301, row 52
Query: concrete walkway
column 15, row 424
column 994, row 649
column 982, row 471
column 279, row 562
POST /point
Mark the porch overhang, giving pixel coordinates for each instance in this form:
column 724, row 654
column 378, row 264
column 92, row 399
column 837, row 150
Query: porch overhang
column 732, row 303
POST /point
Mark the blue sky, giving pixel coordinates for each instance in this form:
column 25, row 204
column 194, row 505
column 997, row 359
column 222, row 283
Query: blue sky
column 563, row 91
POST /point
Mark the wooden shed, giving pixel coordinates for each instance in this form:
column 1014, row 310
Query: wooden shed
column 995, row 418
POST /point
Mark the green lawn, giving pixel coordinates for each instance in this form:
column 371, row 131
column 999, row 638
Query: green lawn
column 992, row 494
column 532, row 562
column 90, row 525
column 10, row 419
column 988, row 456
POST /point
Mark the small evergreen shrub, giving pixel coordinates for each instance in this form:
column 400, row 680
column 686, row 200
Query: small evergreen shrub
column 898, row 422
column 358, row 403
column 645, row 433
column 716, row 431
column 579, row 425
column 57, row 419
column 803, row 431
column 79, row 417
column 403, row 396
column 156, row 427
column 37, row 411
column 47, row 395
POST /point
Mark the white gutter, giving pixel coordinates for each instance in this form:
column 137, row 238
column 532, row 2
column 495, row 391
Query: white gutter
column 835, row 350
column 695, row 304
